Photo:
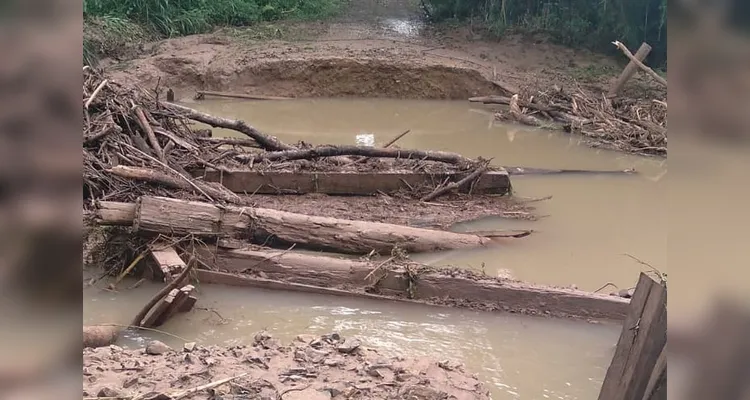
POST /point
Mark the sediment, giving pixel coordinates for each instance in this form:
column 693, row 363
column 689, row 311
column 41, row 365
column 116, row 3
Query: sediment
column 311, row 367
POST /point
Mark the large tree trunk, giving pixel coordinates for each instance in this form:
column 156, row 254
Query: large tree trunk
column 180, row 217
column 100, row 335
column 400, row 280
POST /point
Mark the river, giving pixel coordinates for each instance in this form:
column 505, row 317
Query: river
column 590, row 224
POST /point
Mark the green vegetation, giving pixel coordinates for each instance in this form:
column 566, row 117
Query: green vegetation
column 117, row 25
column 592, row 24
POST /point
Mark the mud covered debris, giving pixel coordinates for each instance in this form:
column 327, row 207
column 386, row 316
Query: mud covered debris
column 311, row 367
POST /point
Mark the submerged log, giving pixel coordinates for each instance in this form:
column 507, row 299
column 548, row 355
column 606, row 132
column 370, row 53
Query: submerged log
column 203, row 93
column 402, row 280
column 180, row 217
column 100, row 335
column 346, row 183
column 333, row 151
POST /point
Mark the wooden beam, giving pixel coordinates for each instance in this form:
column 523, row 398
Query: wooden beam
column 643, row 337
column 170, row 263
column 346, row 183
column 629, row 70
column 398, row 280
column 639, row 63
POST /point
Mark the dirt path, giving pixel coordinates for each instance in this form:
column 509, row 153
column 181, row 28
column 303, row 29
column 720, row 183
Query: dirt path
column 311, row 368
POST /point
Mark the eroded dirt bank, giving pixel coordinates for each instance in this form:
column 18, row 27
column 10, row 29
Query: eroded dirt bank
column 310, row 368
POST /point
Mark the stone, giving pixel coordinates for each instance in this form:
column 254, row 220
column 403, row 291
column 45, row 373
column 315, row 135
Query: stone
column 349, row 345
column 129, row 382
column 188, row 347
column 108, row 392
column 156, row 348
column 316, row 356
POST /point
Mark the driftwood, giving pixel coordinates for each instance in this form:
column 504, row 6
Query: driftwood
column 265, row 141
column 146, row 127
column 399, row 279
column 640, row 65
column 333, row 151
column 100, row 335
column 180, row 217
column 202, row 93
column 176, row 301
column 469, row 179
column 513, row 171
column 629, row 70
column 138, row 320
column 173, row 181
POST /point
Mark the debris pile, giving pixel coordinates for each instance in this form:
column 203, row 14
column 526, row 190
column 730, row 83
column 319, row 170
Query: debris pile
column 626, row 124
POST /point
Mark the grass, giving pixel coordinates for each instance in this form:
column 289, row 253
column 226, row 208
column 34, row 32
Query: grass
column 114, row 26
column 592, row 24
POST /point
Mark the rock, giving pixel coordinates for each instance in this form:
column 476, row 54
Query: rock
column 626, row 293
column 421, row 392
column 349, row 345
column 188, row 347
column 108, row 392
column 156, row 348
column 331, row 362
column 130, row 382
column 449, row 365
column 316, row 356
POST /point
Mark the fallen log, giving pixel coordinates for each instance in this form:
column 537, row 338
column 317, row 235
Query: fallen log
column 334, row 151
column 265, row 141
column 173, row 181
column 513, row 171
column 100, row 335
column 203, row 93
column 396, row 279
column 176, row 301
column 180, row 217
column 345, row 183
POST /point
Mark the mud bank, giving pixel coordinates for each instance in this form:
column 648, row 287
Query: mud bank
column 309, row 75
column 311, row 368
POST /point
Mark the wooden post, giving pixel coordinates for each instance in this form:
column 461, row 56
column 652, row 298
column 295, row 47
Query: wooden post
column 639, row 363
column 629, row 70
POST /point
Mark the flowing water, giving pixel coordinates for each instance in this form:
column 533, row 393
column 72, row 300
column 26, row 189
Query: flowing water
column 592, row 222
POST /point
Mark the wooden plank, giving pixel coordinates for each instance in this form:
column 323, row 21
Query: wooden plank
column 346, row 183
column 629, row 70
column 643, row 337
column 156, row 313
column 177, row 303
column 391, row 279
column 188, row 304
column 169, row 261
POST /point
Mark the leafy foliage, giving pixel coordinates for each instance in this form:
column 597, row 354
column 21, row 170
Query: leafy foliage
column 186, row 17
column 588, row 23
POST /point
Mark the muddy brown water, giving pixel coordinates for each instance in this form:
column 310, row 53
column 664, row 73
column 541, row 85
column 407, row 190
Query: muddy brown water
column 592, row 222
column 516, row 357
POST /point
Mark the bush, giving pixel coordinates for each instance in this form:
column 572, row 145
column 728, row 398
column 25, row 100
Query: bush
column 588, row 23
column 185, row 17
